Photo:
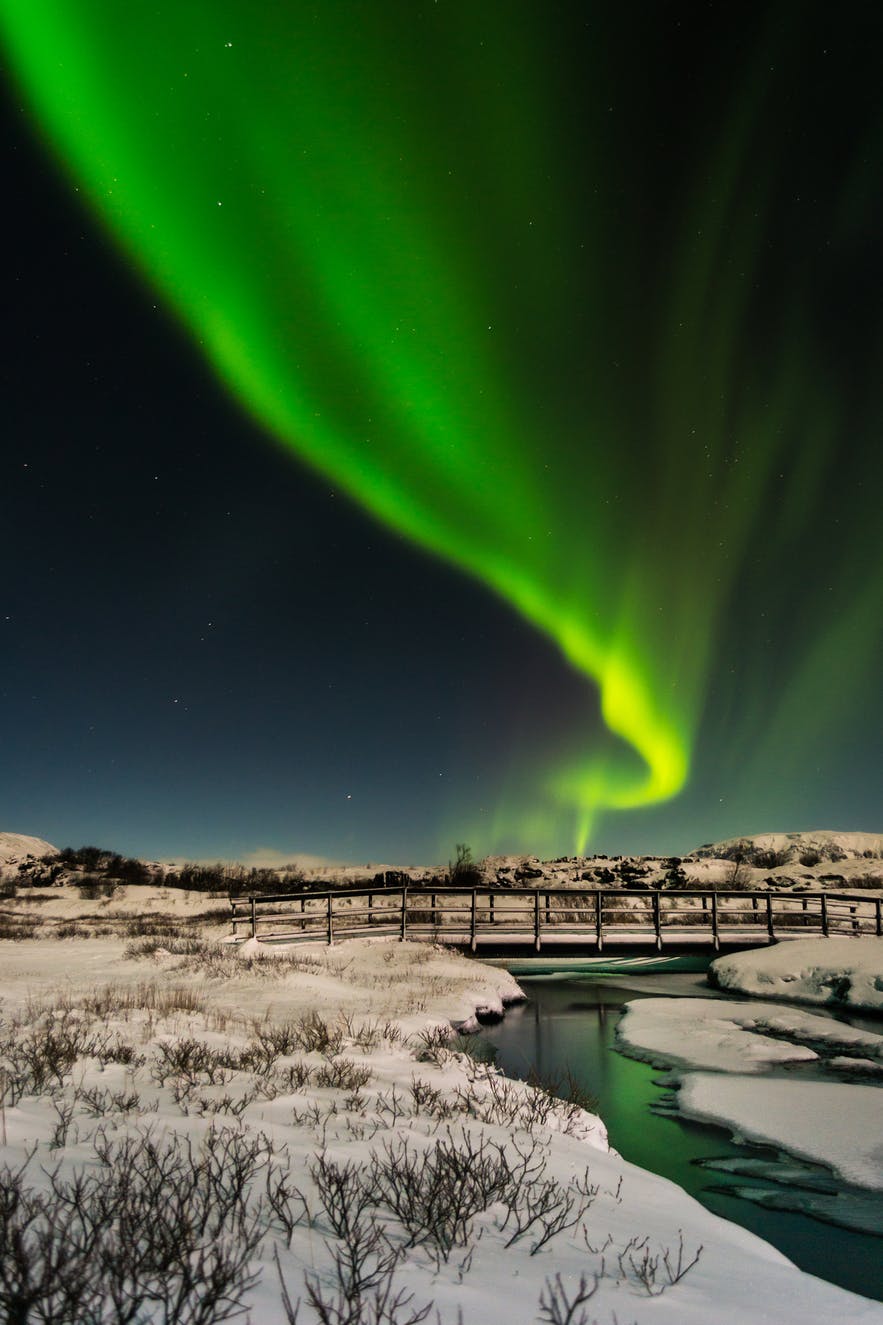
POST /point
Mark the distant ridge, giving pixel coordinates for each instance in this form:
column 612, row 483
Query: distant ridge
column 790, row 847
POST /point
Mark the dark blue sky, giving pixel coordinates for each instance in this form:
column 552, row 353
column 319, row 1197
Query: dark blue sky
column 205, row 651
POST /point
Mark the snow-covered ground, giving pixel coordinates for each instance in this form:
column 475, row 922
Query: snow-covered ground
column 318, row 1077
column 843, row 972
column 721, row 1051
column 826, row 1122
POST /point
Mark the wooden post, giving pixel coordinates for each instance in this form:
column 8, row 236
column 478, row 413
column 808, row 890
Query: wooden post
column 599, row 907
column 330, row 923
column 490, row 898
column 824, row 901
column 254, row 919
column 715, row 932
column 233, row 914
column 536, row 920
column 769, row 918
column 548, row 912
column 370, row 908
column 472, row 941
column 657, row 920
column 432, row 911
column 879, row 908
column 404, row 914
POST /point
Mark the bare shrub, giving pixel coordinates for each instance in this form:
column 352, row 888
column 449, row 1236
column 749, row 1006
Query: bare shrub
column 192, row 1061
column 343, row 1074
column 96, row 1103
column 546, row 1209
column 38, row 1058
column 150, row 1229
column 435, row 1195
column 343, row 1191
column 315, row 1035
column 655, row 1272
column 19, row 927
column 287, row 1204
column 434, row 1045
column 557, row 1308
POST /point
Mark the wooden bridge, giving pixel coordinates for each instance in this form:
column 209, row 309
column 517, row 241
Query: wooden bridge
column 563, row 923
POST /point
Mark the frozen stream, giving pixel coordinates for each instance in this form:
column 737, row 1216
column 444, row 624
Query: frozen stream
column 571, row 1024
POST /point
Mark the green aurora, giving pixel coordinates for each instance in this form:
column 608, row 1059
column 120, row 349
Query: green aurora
column 450, row 271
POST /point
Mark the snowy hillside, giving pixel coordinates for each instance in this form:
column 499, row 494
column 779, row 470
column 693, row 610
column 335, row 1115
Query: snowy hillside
column 792, row 848
column 16, row 848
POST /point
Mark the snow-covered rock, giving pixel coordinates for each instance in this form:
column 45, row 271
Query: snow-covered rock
column 19, row 852
column 844, row 972
column 15, row 848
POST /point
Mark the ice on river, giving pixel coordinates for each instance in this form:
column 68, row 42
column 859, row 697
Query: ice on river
column 725, row 1036
column 822, row 1121
column 737, row 1046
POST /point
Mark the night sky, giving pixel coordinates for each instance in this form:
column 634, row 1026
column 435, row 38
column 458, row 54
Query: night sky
column 434, row 422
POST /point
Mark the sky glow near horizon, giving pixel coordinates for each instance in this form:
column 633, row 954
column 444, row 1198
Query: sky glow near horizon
column 424, row 267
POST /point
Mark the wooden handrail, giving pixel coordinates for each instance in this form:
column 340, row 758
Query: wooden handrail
column 581, row 913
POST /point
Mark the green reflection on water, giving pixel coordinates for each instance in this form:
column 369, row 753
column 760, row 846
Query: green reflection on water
column 571, row 1025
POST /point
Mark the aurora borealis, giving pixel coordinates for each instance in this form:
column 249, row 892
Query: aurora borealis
column 582, row 299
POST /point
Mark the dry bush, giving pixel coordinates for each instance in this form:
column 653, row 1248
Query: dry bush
column 155, row 1227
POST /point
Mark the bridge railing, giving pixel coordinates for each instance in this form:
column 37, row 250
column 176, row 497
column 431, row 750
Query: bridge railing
column 532, row 915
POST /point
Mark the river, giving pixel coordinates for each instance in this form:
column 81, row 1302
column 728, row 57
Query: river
column 569, row 1025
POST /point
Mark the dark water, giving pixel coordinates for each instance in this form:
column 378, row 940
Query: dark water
column 570, row 1025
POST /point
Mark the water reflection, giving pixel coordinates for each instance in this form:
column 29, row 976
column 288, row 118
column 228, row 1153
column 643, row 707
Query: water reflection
column 570, row 1026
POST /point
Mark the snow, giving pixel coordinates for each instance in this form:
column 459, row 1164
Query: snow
column 829, row 844
column 232, row 992
column 15, row 847
column 845, row 972
column 734, row 1046
column 811, row 1118
column 720, row 1035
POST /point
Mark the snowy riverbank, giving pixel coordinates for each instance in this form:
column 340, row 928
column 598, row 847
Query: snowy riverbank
column 838, row 972
column 317, row 1080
